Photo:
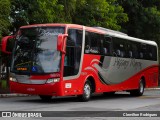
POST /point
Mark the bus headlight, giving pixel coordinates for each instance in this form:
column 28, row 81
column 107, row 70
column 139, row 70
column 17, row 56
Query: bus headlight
column 12, row 79
column 53, row 80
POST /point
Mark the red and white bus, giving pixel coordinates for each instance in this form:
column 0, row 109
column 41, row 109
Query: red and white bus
column 67, row 59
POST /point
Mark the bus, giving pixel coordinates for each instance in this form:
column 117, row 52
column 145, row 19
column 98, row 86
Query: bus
column 75, row 60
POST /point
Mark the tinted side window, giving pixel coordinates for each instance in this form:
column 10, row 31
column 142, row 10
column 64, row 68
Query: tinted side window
column 107, row 45
column 149, row 55
column 143, row 51
column 152, row 52
column 129, row 51
column 132, row 49
column 95, row 43
column 120, row 47
column 92, row 43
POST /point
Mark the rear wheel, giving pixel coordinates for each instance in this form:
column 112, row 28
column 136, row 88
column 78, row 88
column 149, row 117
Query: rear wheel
column 86, row 92
column 139, row 91
column 45, row 97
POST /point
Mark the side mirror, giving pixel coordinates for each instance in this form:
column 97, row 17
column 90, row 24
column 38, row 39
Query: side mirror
column 61, row 43
column 7, row 44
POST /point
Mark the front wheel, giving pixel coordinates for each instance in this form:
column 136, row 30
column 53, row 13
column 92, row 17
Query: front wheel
column 139, row 91
column 86, row 92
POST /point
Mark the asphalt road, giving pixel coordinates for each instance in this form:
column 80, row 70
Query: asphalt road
column 99, row 104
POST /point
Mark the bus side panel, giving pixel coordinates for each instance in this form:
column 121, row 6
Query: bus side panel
column 151, row 76
column 74, row 86
column 120, row 76
column 114, row 73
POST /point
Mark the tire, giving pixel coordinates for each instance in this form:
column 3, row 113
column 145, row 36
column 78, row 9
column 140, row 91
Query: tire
column 139, row 91
column 45, row 97
column 87, row 91
column 108, row 93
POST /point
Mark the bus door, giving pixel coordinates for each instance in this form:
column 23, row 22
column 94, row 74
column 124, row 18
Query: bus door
column 73, row 52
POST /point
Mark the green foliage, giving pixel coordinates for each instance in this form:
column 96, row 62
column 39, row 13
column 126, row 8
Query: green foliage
column 144, row 18
column 151, row 25
column 139, row 18
column 35, row 11
column 69, row 9
column 47, row 11
column 100, row 13
column 3, row 84
column 87, row 12
column 4, row 16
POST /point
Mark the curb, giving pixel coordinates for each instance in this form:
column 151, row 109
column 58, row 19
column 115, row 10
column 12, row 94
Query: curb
column 152, row 88
column 12, row 95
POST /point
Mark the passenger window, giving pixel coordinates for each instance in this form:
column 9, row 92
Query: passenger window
column 95, row 43
column 149, row 54
column 135, row 50
column 143, row 51
column 107, row 44
column 152, row 52
column 129, row 51
column 119, row 47
column 92, row 43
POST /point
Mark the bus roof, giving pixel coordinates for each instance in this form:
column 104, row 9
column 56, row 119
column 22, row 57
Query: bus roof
column 125, row 36
column 96, row 29
column 53, row 24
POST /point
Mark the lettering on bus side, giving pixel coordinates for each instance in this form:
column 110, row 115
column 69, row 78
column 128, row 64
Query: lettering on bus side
column 135, row 64
column 123, row 63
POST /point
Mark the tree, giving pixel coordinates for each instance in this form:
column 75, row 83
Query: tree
column 25, row 12
column 105, row 13
column 69, row 9
column 4, row 22
column 144, row 18
column 4, row 16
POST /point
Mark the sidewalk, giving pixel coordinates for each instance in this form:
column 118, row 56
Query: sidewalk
column 24, row 95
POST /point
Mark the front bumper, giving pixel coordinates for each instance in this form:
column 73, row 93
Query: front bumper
column 52, row 89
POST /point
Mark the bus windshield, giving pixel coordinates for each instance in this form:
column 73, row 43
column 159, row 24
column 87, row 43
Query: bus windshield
column 36, row 52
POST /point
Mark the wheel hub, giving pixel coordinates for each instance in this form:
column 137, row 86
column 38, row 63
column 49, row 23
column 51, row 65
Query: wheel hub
column 87, row 90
